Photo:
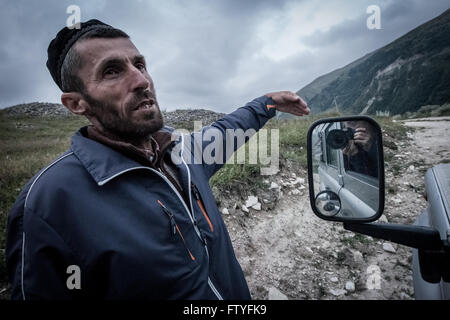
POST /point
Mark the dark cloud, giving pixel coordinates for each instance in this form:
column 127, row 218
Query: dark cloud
column 397, row 18
column 200, row 53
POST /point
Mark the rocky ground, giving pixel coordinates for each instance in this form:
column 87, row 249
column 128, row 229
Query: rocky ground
column 171, row 118
column 38, row 109
column 287, row 252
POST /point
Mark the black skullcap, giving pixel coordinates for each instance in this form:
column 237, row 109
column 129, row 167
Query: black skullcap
column 63, row 41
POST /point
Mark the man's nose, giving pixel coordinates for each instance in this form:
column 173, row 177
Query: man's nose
column 138, row 79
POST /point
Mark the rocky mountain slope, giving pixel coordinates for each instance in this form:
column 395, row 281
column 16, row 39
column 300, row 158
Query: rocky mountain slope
column 410, row 72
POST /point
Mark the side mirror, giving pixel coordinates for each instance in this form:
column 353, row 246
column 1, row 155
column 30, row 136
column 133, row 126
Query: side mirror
column 346, row 169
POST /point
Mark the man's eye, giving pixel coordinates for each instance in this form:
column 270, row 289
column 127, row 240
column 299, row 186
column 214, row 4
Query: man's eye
column 140, row 66
column 111, row 71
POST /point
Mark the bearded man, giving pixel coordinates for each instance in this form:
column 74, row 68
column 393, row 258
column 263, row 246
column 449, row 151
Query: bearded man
column 115, row 217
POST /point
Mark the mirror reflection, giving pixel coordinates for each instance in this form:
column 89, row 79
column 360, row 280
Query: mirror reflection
column 328, row 203
column 345, row 163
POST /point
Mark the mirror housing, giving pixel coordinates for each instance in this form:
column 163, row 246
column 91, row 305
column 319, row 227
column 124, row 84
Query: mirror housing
column 346, row 169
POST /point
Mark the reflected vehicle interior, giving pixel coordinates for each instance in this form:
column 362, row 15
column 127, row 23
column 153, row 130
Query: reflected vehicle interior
column 345, row 162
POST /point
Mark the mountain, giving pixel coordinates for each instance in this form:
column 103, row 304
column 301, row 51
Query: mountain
column 408, row 73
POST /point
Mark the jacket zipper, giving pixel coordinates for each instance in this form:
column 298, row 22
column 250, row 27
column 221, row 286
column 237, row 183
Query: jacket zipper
column 193, row 220
column 201, row 205
column 211, row 285
column 174, row 228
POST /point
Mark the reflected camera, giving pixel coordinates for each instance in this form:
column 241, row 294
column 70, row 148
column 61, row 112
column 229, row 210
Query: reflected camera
column 338, row 138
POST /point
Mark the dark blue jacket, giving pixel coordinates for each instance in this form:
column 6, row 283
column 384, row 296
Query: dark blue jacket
column 124, row 225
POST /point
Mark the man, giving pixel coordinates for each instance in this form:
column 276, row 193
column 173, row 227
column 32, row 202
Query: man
column 115, row 217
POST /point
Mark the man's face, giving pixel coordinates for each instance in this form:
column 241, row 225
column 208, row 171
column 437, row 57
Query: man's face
column 118, row 88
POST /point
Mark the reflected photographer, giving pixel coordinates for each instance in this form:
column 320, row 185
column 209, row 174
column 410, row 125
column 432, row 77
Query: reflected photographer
column 360, row 152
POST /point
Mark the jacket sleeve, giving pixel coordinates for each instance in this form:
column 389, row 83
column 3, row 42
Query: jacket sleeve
column 37, row 258
column 217, row 142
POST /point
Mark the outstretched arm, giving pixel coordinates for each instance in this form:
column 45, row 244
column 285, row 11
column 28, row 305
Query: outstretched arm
column 245, row 121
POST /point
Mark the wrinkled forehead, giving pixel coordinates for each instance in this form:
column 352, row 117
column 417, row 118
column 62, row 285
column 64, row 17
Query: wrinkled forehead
column 96, row 51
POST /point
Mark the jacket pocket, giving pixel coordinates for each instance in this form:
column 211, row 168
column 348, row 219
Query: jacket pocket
column 201, row 205
column 174, row 229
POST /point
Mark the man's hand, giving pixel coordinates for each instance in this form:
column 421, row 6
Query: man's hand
column 287, row 101
column 362, row 138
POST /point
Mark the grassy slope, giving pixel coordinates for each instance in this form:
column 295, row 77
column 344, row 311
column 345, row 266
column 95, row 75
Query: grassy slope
column 29, row 144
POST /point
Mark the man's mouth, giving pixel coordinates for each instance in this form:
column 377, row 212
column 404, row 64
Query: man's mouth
column 146, row 104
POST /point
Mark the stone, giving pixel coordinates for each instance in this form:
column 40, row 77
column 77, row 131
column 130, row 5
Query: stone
column 273, row 185
column 257, row 206
column 350, row 286
column 388, row 247
column 307, row 252
column 245, row 209
column 338, row 292
column 251, row 201
column 225, row 211
column 285, row 184
column 298, row 181
column 275, row 294
column 334, row 279
column 358, row 257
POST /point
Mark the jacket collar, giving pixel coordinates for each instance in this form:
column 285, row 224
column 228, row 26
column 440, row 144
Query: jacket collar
column 102, row 162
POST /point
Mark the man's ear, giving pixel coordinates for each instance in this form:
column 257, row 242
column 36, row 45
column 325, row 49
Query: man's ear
column 75, row 103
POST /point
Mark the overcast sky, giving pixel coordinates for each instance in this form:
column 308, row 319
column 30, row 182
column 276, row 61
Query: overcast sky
column 216, row 54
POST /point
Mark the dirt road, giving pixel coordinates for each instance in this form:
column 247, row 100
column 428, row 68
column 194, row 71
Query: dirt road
column 432, row 137
column 288, row 253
